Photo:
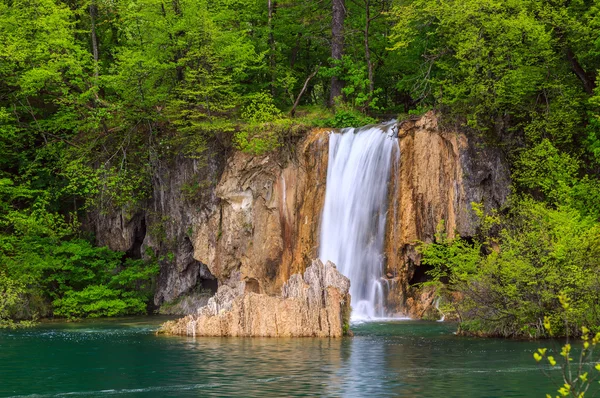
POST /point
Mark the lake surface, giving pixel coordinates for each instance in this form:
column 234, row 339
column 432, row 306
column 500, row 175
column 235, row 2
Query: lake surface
column 125, row 358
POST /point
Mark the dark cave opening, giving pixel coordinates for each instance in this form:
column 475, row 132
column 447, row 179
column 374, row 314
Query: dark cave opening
column 420, row 274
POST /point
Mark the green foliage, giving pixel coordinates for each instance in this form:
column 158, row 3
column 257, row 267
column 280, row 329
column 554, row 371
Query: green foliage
column 97, row 301
column 593, row 128
column 260, row 109
column 104, row 188
column 346, row 116
column 545, row 169
column 258, row 142
column 419, row 110
column 501, row 65
column 578, row 378
column 508, row 287
column 12, row 294
column 264, row 126
column 43, row 264
column 450, row 260
column 356, row 88
column 77, row 278
column 553, row 176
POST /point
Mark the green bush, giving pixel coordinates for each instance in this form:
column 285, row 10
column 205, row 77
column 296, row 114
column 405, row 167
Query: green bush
column 11, row 298
column 264, row 126
column 260, row 108
column 356, row 89
column 554, row 176
column 257, row 142
column 98, row 301
column 346, row 116
column 76, row 278
column 510, row 284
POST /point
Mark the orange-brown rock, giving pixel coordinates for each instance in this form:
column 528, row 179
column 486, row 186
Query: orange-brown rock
column 266, row 226
column 441, row 173
column 316, row 304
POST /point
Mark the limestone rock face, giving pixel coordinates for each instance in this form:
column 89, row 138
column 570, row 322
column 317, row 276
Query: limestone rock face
column 265, row 226
column 253, row 221
column 316, row 304
column 183, row 195
column 119, row 230
column 441, row 173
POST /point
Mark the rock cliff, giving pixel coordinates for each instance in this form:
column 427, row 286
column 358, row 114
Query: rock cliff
column 183, row 195
column 254, row 220
column 316, row 304
column 441, row 173
column 266, row 225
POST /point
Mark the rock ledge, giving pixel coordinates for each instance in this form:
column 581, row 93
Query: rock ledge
column 316, row 304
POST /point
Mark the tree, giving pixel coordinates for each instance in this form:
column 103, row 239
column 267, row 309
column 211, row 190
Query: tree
column 337, row 46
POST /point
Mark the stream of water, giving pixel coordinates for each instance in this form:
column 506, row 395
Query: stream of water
column 402, row 359
column 354, row 213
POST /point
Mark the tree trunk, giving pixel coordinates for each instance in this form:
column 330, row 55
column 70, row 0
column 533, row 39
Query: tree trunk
column 337, row 45
column 367, row 49
column 588, row 81
column 272, row 4
column 295, row 51
column 93, row 13
column 297, row 102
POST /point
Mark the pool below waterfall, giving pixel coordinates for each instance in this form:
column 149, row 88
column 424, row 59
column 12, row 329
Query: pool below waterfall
column 395, row 358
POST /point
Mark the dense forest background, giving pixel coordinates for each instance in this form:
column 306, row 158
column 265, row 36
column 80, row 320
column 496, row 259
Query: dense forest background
column 95, row 93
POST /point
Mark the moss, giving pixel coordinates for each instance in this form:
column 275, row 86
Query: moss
column 346, row 311
column 345, row 329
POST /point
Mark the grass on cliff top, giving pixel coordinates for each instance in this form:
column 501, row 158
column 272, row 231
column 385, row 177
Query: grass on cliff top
column 265, row 128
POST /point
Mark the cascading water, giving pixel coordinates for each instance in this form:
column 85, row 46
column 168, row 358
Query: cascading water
column 354, row 213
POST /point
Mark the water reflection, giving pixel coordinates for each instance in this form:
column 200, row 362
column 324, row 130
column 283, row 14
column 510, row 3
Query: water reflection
column 407, row 359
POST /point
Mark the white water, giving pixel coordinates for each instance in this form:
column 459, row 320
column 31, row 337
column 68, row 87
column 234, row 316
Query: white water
column 437, row 307
column 354, row 213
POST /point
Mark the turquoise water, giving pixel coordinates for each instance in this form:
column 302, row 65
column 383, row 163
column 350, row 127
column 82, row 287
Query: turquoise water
column 124, row 358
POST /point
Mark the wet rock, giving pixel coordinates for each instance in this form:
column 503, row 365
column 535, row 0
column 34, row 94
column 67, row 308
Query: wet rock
column 316, row 304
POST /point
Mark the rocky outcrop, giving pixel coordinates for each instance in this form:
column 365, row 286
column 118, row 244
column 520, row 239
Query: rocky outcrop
column 441, row 173
column 316, row 304
column 232, row 218
column 266, row 225
column 183, row 195
column 121, row 230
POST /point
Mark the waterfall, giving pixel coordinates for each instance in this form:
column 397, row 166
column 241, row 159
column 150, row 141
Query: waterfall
column 354, row 213
column 437, row 307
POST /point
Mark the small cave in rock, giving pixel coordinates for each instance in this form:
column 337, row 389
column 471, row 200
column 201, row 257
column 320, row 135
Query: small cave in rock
column 139, row 234
column 420, row 274
column 272, row 268
column 206, row 283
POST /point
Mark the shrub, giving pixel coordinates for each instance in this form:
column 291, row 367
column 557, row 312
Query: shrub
column 77, row 278
column 509, row 286
column 578, row 372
